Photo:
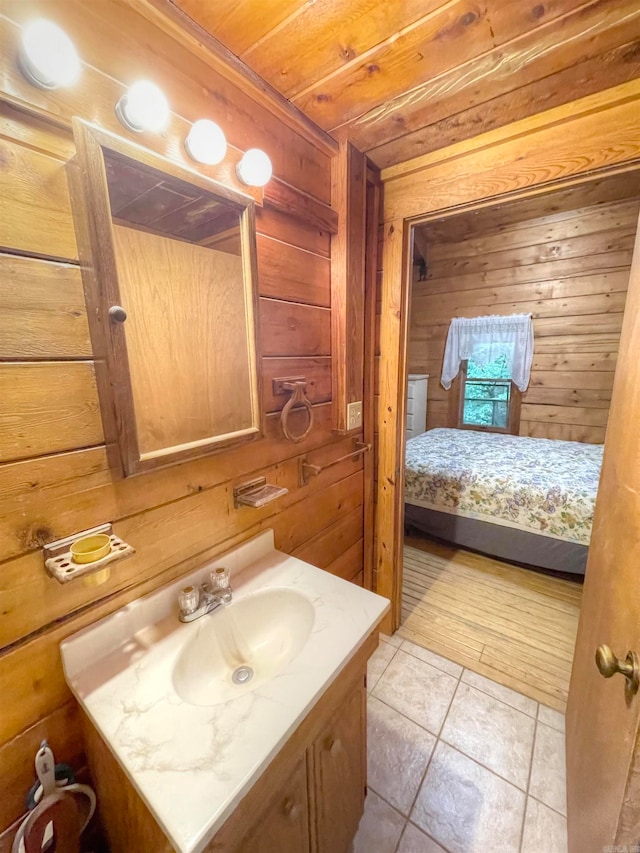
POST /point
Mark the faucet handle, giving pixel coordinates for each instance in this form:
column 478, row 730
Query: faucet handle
column 188, row 599
column 219, row 578
column 220, row 583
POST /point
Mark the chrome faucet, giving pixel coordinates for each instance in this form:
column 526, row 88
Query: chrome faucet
column 194, row 601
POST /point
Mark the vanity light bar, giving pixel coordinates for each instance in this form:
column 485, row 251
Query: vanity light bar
column 143, row 107
column 206, row 142
column 47, row 56
column 255, row 168
column 48, row 59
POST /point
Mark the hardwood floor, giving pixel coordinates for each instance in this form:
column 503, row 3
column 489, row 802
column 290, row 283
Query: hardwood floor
column 513, row 625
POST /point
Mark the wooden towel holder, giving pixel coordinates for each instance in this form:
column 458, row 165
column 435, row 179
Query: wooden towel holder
column 307, row 470
column 297, row 398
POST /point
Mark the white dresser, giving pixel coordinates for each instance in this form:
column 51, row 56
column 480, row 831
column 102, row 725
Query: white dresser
column 416, row 404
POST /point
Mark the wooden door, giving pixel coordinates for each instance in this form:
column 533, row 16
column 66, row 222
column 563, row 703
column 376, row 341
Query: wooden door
column 285, row 824
column 340, row 772
column 603, row 745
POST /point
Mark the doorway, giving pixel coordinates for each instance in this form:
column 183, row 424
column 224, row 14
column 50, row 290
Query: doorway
column 500, row 166
column 563, row 257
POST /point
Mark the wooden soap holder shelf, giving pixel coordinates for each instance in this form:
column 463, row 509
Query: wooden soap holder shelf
column 59, row 563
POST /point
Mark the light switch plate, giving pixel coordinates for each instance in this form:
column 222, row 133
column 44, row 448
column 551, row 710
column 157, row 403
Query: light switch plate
column 354, row 415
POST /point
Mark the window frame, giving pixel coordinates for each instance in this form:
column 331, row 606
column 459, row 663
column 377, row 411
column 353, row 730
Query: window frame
column 456, row 406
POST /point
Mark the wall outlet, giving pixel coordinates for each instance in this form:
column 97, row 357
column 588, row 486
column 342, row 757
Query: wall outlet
column 354, row 415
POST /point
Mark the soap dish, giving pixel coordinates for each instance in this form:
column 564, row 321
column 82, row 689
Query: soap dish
column 66, row 559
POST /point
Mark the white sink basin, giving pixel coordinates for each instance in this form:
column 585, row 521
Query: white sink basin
column 242, row 646
column 159, row 690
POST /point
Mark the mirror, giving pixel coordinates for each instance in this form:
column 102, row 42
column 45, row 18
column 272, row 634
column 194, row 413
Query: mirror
column 169, row 269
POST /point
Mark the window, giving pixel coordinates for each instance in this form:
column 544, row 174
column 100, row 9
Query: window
column 489, row 360
column 486, row 395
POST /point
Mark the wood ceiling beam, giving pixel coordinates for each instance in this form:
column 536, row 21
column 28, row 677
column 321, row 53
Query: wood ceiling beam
column 450, row 34
column 409, row 92
column 235, row 22
column 168, row 17
column 627, row 93
column 337, row 37
column 345, row 35
column 607, row 70
column 411, row 190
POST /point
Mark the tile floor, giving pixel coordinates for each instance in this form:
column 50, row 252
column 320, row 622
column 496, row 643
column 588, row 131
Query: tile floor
column 458, row 763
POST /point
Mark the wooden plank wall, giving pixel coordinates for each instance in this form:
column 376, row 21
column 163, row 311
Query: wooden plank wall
column 570, row 270
column 54, row 478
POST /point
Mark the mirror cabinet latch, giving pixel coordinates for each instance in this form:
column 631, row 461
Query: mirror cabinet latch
column 117, row 314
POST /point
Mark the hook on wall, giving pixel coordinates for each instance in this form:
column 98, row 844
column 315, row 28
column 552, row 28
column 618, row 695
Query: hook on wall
column 298, row 397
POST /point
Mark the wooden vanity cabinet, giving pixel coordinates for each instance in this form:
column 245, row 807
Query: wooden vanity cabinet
column 340, row 774
column 285, row 822
column 309, row 799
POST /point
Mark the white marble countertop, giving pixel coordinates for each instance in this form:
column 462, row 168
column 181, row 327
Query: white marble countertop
column 191, row 764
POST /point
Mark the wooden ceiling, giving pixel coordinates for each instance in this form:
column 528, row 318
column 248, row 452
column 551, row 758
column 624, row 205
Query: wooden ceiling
column 400, row 78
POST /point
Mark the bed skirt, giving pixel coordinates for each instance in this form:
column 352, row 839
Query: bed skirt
column 507, row 543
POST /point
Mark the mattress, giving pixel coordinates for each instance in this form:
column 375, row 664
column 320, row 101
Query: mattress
column 537, row 485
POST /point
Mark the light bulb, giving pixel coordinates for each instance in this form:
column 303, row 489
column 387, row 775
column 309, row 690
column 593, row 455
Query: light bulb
column 255, row 168
column 143, row 107
column 47, row 57
column 206, row 143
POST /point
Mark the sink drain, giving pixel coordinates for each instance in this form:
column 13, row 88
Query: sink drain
column 242, row 675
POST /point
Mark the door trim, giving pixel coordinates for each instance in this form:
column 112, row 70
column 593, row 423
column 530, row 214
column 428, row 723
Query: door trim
column 396, row 287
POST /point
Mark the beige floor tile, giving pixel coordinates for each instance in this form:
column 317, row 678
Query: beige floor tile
column 552, row 718
column 548, row 772
column 398, row 754
column 416, row 689
column 380, row 827
column 439, row 662
column 498, row 691
column 415, row 841
column 466, row 808
column 377, row 664
column 393, row 640
column 544, row 829
column 492, row 733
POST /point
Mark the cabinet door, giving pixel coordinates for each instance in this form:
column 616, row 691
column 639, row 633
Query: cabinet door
column 340, row 768
column 284, row 827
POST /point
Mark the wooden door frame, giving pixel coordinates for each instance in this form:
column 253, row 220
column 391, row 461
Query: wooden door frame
column 580, row 142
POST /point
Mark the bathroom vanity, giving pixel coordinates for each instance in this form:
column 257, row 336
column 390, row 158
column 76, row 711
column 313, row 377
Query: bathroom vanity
column 186, row 760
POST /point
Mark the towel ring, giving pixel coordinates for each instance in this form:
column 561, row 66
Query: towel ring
column 297, row 397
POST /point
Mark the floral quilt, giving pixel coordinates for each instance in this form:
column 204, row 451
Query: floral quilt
column 534, row 484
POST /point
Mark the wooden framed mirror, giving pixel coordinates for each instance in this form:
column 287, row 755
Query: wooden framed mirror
column 169, row 271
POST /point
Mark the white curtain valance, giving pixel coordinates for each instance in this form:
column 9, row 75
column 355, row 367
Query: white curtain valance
column 485, row 339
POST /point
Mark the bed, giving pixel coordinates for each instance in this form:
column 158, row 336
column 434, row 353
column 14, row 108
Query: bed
column 527, row 500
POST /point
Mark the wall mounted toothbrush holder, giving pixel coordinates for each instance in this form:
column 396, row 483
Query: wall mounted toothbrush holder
column 296, row 387
column 84, row 553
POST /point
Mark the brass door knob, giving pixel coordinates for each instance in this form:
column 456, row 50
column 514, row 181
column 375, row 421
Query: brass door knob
column 608, row 664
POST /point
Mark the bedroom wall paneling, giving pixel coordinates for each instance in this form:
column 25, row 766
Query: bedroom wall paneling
column 564, row 146
column 54, row 476
column 570, row 270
